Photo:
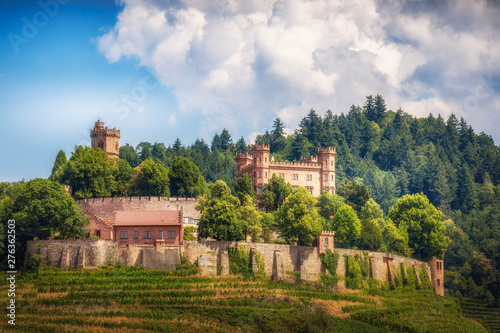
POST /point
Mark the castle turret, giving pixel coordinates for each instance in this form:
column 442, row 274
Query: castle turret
column 260, row 154
column 326, row 160
column 106, row 139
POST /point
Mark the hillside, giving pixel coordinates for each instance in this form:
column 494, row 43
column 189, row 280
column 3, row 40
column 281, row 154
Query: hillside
column 132, row 299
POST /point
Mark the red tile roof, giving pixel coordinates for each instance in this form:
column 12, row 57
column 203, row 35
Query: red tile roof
column 163, row 217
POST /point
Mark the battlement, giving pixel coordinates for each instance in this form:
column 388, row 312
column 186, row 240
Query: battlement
column 139, row 198
column 105, row 131
column 295, row 164
column 328, row 150
column 243, row 156
column 260, row 147
column 310, row 159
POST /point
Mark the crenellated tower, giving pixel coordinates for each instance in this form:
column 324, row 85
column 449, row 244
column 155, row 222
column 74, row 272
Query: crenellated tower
column 326, row 161
column 260, row 155
column 105, row 138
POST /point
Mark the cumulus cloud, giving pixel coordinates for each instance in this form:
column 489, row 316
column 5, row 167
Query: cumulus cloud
column 245, row 62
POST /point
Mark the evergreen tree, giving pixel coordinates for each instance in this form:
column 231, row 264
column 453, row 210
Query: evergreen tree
column 466, row 197
column 298, row 147
column 58, row 168
column 241, row 146
column 216, row 142
column 244, row 188
column 225, row 140
column 277, row 141
column 129, row 154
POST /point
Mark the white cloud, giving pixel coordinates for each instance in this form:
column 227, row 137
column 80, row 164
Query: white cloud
column 244, row 62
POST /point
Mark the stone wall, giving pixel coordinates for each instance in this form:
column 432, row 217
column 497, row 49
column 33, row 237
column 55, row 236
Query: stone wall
column 106, row 208
column 75, row 253
column 284, row 262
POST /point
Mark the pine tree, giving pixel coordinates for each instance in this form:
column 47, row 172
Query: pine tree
column 277, row 142
column 58, row 167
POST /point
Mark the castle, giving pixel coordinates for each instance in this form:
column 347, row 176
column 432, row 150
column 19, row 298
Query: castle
column 148, row 231
column 316, row 174
column 105, row 138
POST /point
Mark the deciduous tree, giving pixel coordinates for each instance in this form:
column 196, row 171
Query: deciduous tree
column 297, row 219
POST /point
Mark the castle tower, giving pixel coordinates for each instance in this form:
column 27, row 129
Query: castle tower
column 260, row 154
column 326, row 160
column 106, row 139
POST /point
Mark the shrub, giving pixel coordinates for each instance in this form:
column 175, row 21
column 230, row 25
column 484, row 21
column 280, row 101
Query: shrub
column 354, row 278
column 188, row 232
column 330, row 260
column 239, row 261
column 34, row 261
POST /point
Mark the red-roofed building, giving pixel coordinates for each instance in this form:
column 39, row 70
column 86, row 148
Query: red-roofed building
column 141, row 227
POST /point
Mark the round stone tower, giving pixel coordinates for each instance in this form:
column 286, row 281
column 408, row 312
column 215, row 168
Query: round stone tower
column 106, row 139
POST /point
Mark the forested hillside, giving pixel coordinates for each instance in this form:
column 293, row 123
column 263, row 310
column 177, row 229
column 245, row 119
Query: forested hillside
column 393, row 153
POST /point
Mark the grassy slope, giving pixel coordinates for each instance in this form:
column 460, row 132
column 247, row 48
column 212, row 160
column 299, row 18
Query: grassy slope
column 131, row 299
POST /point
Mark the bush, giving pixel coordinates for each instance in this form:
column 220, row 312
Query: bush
column 330, row 260
column 354, row 279
column 239, row 261
column 34, row 261
column 188, row 232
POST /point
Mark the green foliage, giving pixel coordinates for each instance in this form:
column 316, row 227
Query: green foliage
column 274, row 193
column 152, row 179
column 34, row 261
column 354, row 278
column 124, row 179
column 422, row 221
column 396, row 239
column 268, row 225
column 239, row 261
column 42, row 209
column 188, row 232
column 346, row 225
column 297, row 219
column 425, row 280
column 330, row 260
column 185, row 178
column 58, row 168
column 371, row 236
column 250, row 218
column 244, row 188
column 219, row 219
column 90, row 172
column 328, row 204
column 355, row 193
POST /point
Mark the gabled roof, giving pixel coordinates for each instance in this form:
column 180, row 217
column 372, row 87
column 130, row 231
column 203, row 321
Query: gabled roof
column 162, row 217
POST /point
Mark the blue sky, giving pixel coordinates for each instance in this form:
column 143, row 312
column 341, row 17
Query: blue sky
column 158, row 70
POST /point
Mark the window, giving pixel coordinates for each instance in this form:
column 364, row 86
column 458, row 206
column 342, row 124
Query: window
column 331, row 163
column 261, row 208
column 260, row 159
column 265, row 159
column 309, row 177
column 281, row 175
column 438, row 282
column 260, row 189
column 326, row 163
column 295, row 176
column 326, row 178
column 123, row 234
column 254, row 174
column 101, row 145
column 147, row 234
column 136, row 234
column 326, row 241
column 160, row 234
column 171, row 234
column 260, row 174
column 332, row 177
column 326, row 189
column 98, row 233
column 266, row 174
